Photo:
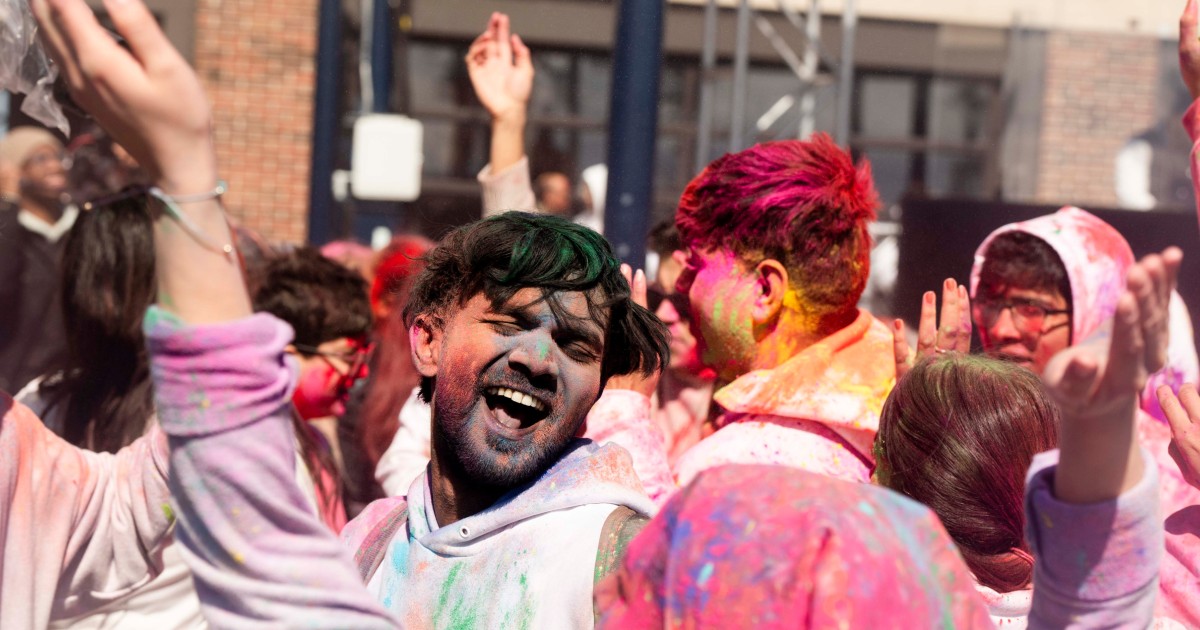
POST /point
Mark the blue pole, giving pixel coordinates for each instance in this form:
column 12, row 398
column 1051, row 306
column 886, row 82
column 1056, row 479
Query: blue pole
column 322, row 226
column 381, row 56
column 633, row 127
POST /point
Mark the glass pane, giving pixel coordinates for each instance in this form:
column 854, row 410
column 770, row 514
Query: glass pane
column 4, row 110
column 438, row 77
column 595, row 75
column 954, row 175
column 891, row 169
column 886, row 106
column 455, row 149
column 672, row 94
column 958, row 110
column 553, row 93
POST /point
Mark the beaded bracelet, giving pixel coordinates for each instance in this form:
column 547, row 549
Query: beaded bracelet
column 172, row 206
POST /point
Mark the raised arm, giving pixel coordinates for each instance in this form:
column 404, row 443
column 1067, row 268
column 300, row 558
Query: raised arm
column 1093, row 519
column 222, row 384
column 501, row 71
column 1189, row 69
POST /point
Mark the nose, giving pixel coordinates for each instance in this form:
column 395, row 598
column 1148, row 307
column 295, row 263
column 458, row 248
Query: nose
column 535, row 358
column 1003, row 330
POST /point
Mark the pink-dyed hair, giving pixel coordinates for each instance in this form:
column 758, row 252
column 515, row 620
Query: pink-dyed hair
column 803, row 203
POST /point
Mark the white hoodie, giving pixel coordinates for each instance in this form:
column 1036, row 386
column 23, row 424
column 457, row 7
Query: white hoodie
column 526, row 562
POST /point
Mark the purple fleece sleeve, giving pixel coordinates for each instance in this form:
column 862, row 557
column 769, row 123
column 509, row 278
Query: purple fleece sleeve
column 1096, row 564
column 259, row 556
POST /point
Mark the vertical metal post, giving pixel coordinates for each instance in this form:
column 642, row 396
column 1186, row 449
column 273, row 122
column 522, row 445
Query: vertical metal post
column 708, row 67
column 741, row 66
column 633, row 127
column 812, row 43
column 321, row 208
column 381, row 55
column 845, row 89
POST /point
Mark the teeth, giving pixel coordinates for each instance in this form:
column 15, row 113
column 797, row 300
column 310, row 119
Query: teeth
column 518, row 397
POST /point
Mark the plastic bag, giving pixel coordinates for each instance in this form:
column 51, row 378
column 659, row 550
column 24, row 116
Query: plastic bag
column 25, row 68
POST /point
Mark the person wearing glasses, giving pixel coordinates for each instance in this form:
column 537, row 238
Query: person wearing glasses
column 327, row 305
column 1043, row 285
column 32, row 339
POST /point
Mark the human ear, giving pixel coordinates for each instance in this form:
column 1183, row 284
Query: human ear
column 772, row 284
column 426, row 342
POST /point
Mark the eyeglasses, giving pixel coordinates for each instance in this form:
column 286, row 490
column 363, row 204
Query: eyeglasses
column 38, row 160
column 351, row 366
column 1028, row 316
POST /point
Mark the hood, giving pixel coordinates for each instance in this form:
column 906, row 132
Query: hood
column 586, row 474
column 1094, row 254
column 840, row 381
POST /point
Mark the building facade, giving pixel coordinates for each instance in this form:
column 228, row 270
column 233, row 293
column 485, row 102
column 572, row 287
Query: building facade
column 1013, row 100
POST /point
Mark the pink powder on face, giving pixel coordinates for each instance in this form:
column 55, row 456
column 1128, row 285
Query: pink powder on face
column 722, row 295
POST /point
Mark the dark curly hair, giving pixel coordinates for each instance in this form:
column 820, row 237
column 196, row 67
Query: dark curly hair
column 503, row 254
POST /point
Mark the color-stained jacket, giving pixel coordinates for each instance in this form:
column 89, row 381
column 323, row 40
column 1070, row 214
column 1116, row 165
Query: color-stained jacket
column 769, row 547
column 529, row 561
column 818, row 411
column 78, row 529
column 1097, row 259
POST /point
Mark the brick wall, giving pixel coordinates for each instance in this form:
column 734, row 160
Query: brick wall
column 1100, row 90
column 256, row 58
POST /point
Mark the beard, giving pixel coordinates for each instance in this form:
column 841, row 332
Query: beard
column 481, row 457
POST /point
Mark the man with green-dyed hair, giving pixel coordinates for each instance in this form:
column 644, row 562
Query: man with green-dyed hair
column 517, row 323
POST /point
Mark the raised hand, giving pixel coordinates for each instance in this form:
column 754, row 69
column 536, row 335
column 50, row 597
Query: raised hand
column 953, row 335
column 501, row 70
column 151, row 102
column 1189, row 50
column 1096, row 385
column 645, row 385
column 147, row 97
column 1183, row 412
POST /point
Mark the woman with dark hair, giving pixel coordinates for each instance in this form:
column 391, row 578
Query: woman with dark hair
column 104, row 400
column 958, row 434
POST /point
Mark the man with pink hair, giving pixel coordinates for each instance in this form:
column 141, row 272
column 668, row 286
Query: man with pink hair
column 777, row 257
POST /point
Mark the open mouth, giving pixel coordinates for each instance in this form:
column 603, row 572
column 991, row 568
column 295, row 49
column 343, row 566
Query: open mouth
column 515, row 410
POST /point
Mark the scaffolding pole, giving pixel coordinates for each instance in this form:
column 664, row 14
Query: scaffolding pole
column 708, row 68
column 741, row 67
column 845, row 90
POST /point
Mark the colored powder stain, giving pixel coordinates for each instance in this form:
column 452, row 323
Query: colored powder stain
column 866, row 508
column 706, row 573
column 462, row 616
column 168, row 512
column 400, row 558
column 239, row 558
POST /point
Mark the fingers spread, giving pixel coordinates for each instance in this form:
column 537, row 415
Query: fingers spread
column 964, row 309
column 927, row 328
column 1177, row 417
column 948, row 331
column 639, row 288
column 900, row 348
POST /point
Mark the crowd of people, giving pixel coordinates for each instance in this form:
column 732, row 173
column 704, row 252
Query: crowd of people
column 509, row 428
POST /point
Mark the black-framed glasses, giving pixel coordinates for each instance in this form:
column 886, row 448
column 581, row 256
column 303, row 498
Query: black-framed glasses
column 1028, row 316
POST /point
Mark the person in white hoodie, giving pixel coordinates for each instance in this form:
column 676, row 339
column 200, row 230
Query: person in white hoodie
column 517, row 324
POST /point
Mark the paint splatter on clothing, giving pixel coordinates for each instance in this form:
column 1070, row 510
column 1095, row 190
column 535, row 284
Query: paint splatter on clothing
column 78, row 529
column 526, row 562
column 859, row 556
column 818, row 411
